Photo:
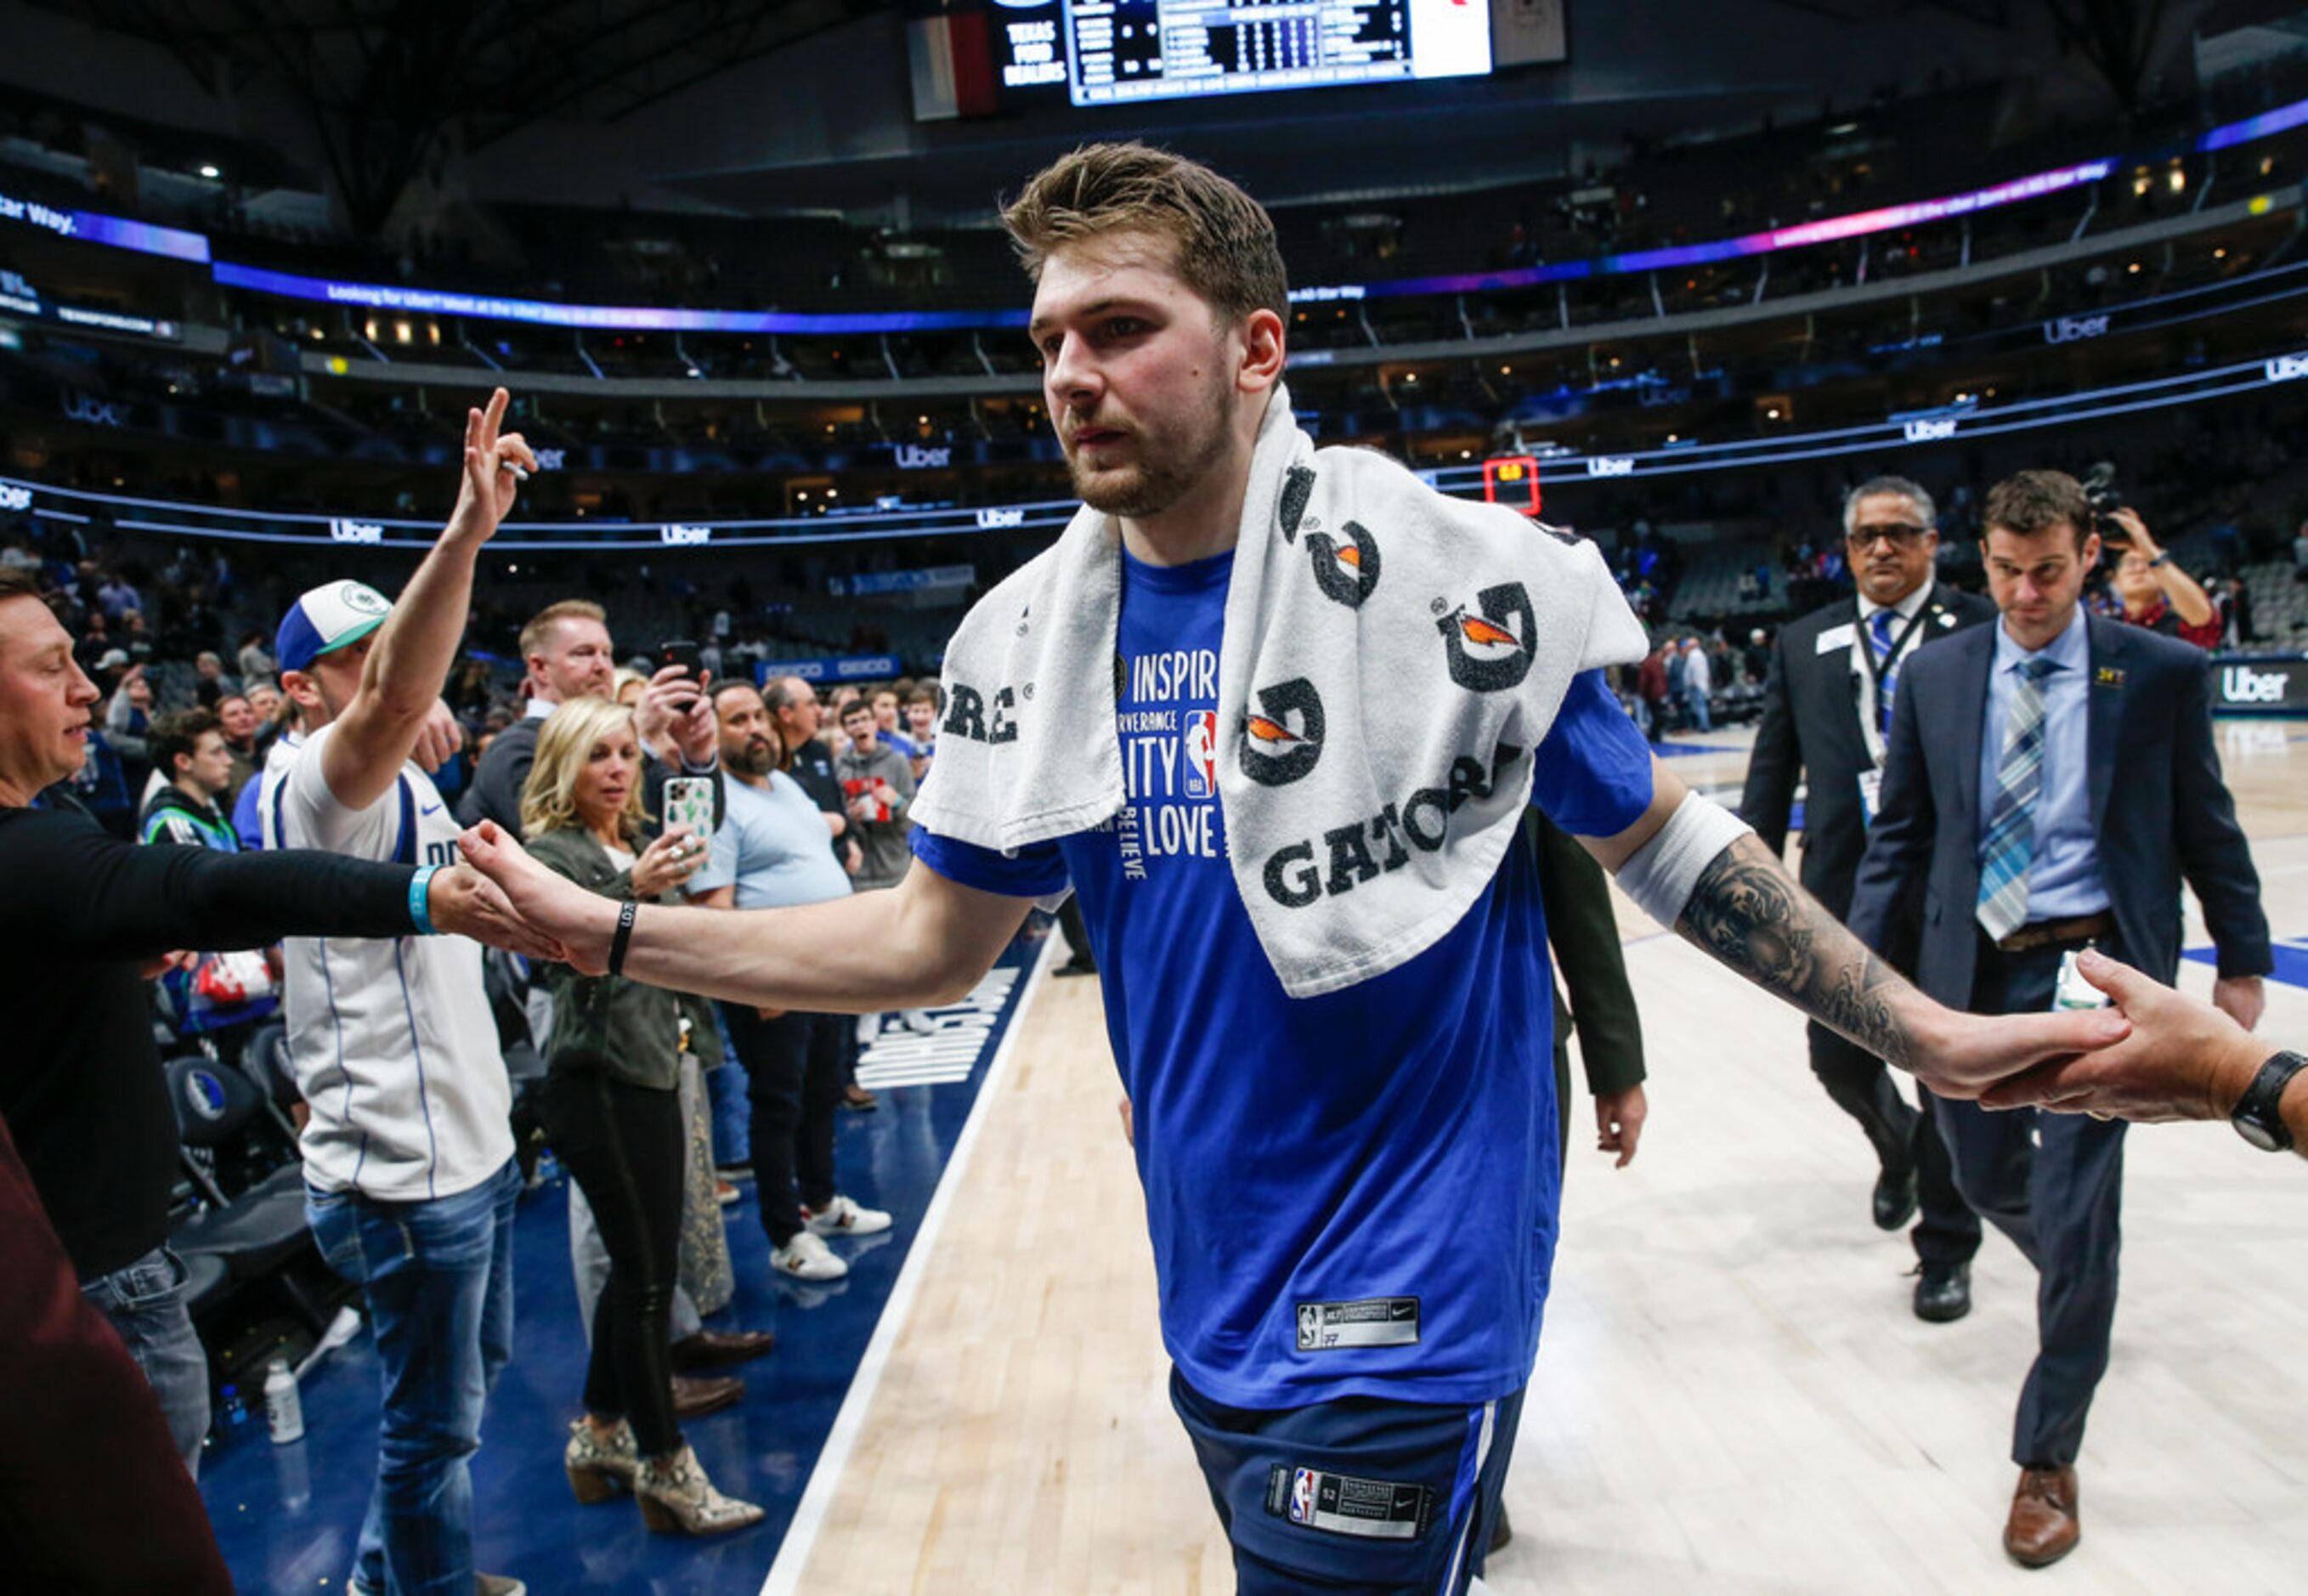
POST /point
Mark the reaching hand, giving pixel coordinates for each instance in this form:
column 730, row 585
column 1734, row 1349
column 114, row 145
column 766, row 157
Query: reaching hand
column 1619, row 1118
column 2136, row 530
column 2242, row 998
column 2182, row 1060
column 439, row 739
column 463, row 902
column 697, row 732
column 667, row 863
column 554, row 908
column 494, row 464
column 1973, row 1052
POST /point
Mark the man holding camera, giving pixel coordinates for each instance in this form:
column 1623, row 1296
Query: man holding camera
column 2050, row 782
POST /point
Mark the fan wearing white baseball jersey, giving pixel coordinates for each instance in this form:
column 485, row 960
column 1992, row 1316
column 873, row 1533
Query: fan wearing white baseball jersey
column 409, row 1173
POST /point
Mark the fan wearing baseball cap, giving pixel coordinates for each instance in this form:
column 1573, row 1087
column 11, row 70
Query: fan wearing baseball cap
column 409, row 1165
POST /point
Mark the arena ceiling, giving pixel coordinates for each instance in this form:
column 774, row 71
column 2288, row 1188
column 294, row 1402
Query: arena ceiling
column 384, row 80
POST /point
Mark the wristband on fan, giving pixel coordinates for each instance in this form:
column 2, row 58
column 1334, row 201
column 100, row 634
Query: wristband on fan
column 420, row 887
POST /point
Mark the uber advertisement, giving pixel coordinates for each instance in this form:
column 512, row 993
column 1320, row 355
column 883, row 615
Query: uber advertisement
column 2261, row 683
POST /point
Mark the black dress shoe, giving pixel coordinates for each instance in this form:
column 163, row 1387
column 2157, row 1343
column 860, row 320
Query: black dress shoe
column 1942, row 1291
column 711, row 1349
column 1502, row 1531
column 1895, row 1198
column 694, row 1396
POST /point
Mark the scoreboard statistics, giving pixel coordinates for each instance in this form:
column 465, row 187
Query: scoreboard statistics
column 980, row 56
column 1122, row 50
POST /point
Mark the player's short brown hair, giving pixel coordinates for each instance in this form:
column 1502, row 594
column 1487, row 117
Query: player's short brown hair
column 2032, row 501
column 1227, row 250
column 540, row 626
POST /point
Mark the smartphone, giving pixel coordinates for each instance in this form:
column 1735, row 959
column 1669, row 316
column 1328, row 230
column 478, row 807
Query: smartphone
column 689, row 802
column 684, row 653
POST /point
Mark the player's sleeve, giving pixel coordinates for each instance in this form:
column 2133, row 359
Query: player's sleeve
column 1038, row 870
column 1594, row 769
column 311, row 817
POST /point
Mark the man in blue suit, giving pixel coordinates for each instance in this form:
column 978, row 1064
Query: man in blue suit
column 2050, row 782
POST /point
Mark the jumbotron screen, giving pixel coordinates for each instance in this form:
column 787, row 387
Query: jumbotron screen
column 1113, row 52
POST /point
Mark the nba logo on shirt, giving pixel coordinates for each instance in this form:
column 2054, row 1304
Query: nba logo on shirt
column 1302, row 1495
column 1201, row 752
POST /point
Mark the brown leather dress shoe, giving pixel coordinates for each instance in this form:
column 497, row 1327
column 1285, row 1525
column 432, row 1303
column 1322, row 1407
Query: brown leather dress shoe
column 2044, row 1526
column 694, row 1398
column 713, row 1349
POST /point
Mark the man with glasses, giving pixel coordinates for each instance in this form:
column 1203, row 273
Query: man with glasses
column 1827, row 704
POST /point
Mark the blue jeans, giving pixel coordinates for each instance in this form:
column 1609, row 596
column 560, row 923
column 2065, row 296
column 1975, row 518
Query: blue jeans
column 1695, row 700
column 145, row 1301
column 439, row 1277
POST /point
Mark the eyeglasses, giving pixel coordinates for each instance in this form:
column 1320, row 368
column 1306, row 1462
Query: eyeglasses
column 1903, row 534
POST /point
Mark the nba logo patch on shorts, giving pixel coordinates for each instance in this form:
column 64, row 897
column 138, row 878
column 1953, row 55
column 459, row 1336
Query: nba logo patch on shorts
column 1302, row 1495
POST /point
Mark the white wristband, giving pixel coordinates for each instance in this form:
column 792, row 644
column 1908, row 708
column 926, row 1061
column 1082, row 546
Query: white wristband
column 1660, row 875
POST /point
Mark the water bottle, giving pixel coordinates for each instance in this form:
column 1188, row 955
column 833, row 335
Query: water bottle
column 284, row 1411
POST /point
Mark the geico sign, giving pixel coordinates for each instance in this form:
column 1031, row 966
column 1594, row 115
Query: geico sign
column 676, row 533
column 2241, row 684
column 1610, row 465
column 1930, row 430
column 356, row 531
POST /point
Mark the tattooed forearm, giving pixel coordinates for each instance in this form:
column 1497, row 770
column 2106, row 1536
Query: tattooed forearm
column 1749, row 914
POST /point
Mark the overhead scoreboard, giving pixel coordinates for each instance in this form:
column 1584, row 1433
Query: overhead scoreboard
column 1012, row 54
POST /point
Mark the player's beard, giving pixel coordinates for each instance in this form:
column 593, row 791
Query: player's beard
column 1168, row 464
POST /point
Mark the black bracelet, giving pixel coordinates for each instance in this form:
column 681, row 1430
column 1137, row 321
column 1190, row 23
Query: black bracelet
column 623, row 938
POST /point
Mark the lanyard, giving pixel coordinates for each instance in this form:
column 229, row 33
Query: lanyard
column 1863, row 633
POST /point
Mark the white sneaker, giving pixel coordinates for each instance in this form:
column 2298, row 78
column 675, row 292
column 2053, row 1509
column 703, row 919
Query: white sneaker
column 844, row 1217
column 807, row 1258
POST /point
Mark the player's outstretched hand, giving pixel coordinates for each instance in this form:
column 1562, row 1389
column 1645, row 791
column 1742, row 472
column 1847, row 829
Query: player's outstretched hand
column 1967, row 1054
column 578, row 924
column 2184, row 1059
column 462, row 901
column 495, row 462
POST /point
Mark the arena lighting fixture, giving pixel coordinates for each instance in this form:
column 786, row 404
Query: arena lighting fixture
column 208, row 169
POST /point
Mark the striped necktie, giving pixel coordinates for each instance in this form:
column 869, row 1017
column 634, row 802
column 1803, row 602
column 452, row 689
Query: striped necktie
column 2011, row 845
column 1879, row 624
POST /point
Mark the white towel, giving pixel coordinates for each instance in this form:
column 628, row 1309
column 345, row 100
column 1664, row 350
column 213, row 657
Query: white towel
column 1390, row 659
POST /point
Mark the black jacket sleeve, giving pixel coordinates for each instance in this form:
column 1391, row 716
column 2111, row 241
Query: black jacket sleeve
column 503, row 772
column 1584, row 933
column 69, row 890
column 1776, row 761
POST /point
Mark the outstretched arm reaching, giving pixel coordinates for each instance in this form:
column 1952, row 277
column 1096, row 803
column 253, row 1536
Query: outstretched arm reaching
column 1745, row 910
column 923, row 942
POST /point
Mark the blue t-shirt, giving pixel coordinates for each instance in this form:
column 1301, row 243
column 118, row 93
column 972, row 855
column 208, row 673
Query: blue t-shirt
column 1349, row 1194
column 771, row 842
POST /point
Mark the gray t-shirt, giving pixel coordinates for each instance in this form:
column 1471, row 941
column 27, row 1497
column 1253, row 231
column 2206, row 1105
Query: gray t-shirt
column 884, row 777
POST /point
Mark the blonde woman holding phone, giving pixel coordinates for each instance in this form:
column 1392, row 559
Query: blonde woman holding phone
column 612, row 1104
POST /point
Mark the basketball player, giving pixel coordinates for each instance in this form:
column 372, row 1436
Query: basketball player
column 1342, row 1078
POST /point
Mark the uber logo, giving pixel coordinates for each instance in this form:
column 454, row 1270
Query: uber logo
column 1930, row 429
column 356, row 531
column 912, row 457
column 2287, row 368
column 680, row 536
column 994, row 520
column 12, row 497
column 2068, row 329
column 1610, row 465
column 2241, row 684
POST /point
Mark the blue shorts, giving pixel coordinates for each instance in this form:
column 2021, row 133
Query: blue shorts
column 1359, row 1495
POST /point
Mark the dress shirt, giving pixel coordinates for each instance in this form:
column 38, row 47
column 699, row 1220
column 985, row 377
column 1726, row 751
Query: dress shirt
column 1905, row 610
column 2063, row 880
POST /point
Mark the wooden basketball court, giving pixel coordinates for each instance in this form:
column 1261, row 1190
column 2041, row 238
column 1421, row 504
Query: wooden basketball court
column 1731, row 1393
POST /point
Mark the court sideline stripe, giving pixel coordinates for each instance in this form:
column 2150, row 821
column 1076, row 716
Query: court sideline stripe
column 784, row 1577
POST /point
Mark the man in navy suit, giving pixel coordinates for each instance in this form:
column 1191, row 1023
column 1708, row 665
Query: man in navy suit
column 1827, row 705
column 2050, row 782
